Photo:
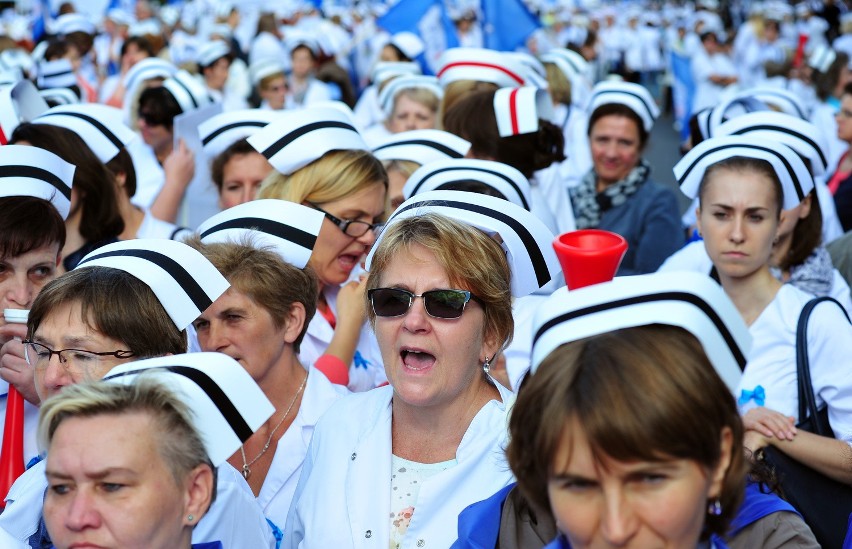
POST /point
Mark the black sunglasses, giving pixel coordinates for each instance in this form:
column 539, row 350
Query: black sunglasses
column 388, row 302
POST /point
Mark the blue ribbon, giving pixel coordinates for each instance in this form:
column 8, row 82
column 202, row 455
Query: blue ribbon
column 758, row 395
column 360, row 361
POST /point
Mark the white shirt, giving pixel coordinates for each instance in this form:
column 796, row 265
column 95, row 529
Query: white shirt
column 152, row 227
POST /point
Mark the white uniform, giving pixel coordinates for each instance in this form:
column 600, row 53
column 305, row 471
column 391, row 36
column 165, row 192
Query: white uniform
column 280, row 483
column 574, row 122
column 152, row 227
column 707, row 93
column 823, row 118
column 772, row 361
column 343, row 498
column 518, row 353
column 235, row 518
column 149, row 173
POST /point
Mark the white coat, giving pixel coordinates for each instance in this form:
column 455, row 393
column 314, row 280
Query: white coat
column 343, row 497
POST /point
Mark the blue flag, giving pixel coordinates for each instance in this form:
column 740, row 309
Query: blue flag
column 507, row 24
column 429, row 20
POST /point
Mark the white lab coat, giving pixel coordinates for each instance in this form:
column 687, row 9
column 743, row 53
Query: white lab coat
column 343, row 497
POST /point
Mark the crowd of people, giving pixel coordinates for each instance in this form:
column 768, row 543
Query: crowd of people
column 288, row 278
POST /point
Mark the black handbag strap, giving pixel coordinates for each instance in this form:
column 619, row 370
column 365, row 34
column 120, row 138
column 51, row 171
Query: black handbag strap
column 807, row 399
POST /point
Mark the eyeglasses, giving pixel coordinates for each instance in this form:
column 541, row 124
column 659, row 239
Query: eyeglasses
column 389, row 302
column 39, row 355
column 351, row 227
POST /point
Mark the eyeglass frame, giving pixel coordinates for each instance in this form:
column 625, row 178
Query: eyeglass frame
column 469, row 296
column 29, row 344
column 344, row 224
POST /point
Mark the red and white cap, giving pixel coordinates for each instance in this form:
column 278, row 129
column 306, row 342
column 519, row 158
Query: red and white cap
column 518, row 110
column 481, row 65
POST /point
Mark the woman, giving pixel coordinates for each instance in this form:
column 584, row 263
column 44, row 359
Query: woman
column 152, row 482
column 840, row 183
column 427, row 445
column 409, row 103
column 829, row 90
column 618, row 194
column 304, row 56
column 324, row 164
column 742, row 188
column 270, row 82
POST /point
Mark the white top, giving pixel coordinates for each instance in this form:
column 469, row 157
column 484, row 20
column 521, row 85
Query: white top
column 280, row 483
column 518, row 352
column 574, row 124
column 367, row 110
column 343, row 496
column 772, row 361
column 708, row 94
column 235, row 519
column 149, row 173
column 152, row 227
column 823, row 118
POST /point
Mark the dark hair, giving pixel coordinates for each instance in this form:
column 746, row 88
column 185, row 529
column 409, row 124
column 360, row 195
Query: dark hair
column 140, row 42
column 217, row 169
column 847, row 89
column 471, row 186
column 116, row 304
column 473, row 119
column 825, row 82
column 56, row 49
column 400, row 55
column 160, row 104
column 122, row 164
column 93, row 183
column 741, row 164
column 266, row 23
column 696, row 135
column 307, row 48
column 617, row 109
column 806, row 236
column 28, row 223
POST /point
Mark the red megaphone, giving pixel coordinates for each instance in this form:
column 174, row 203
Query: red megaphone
column 589, row 256
column 12, row 454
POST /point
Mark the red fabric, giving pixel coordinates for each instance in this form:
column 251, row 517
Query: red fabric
column 513, row 110
column 504, row 70
column 838, row 176
column 334, row 369
column 327, row 314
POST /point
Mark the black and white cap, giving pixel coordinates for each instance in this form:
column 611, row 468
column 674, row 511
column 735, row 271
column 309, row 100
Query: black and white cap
column 535, row 75
column 100, row 126
column 297, row 138
column 733, row 107
column 571, row 63
column 146, row 69
column 386, row 70
column 299, row 37
column 632, row 96
column 387, row 96
column 30, row 171
column 73, row 22
column 56, row 74
column 289, row 229
column 60, row 96
column 189, row 93
column 779, row 98
column 801, row 136
column 219, row 132
column 502, row 177
column 796, row 180
column 19, row 102
column 211, row 51
column 227, row 405
column 687, row 300
column 422, row 146
column 518, row 110
column 481, row 65
column 264, row 68
column 525, row 239
column 183, row 280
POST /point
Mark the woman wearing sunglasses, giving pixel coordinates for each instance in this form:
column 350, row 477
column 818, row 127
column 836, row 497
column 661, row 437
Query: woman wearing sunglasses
column 393, row 467
column 321, row 161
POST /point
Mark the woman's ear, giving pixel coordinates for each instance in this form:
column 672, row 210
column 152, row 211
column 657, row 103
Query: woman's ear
column 198, row 496
column 294, row 322
column 717, row 475
column 806, row 205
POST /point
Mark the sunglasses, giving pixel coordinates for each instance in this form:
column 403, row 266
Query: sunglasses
column 390, row 302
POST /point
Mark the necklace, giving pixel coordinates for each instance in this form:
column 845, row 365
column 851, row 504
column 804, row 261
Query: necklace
column 247, row 466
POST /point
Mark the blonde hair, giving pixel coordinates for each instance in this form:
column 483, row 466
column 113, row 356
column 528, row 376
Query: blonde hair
column 454, row 91
column 558, row 84
column 422, row 96
column 333, row 176
column 405, row 167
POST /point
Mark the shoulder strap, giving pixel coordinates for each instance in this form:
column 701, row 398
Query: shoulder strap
column 807, row 399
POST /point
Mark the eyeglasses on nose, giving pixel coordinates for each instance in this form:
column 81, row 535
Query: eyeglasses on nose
column 39, row 355
column 447, row 304
column 351, row 227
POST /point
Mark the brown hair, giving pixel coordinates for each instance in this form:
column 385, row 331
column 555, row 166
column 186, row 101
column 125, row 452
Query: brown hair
column 826, row 82
column 647, row 393
column 28, row 223
column 217, row 169
column 458, row 90
column 743, row 164
column 484, row 271
column 617, row 109
column 558, row 84
column 806, row 236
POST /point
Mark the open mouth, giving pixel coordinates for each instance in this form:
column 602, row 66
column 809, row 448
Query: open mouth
column 417, row 360
column 348, row 261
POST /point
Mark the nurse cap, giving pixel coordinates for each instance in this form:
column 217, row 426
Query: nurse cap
column 99, row 126
column 18, row 102
column 821, row 58
column 30, row 171
column 212, row 51
column 56, row 74
column 535, row 75
column 691, row 301
column 59, row 96
column 73, row 22
column 408, row 43
column 569, row 62
column 227, row 405
column 386, row 70
column 146, row 69
column 297, row 138
column 264, row 68
column 219, row 132
column 518, row 110
column 387, row 96
column 298, row 37
column 189, row 93
column 782, row 99
column 183, row 280
column 480, row 65
column 801, row 136
column 422, row 146
column 501, row 177
column 632, row 96
column 289, row 229
column 525, row 239
column 796, row 180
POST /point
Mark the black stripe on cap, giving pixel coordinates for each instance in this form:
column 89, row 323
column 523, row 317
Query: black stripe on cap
column 570, row 62
column 626, row 92
column 276, row 147
column 542, row 274
column 788, row 131
column 790, row 170
column 64, row 72
column 187, row 90
column 173, row 268
column 504, row 177
column 211, row 389
column 692, row 299
column 786, row 99
column 91, row 120
column 268, row 226
column 440, row 147
column 228, row 127
column 36, row 173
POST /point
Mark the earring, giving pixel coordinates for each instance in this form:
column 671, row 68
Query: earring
column 486, row 366
column 715, row 507
column 190, row 518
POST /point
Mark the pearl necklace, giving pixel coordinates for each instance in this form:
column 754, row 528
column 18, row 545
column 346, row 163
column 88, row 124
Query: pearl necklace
column 247, row 466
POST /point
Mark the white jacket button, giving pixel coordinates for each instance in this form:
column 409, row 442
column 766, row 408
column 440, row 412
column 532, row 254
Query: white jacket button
column 354, row 455
column 420, row 543
column 368, row 534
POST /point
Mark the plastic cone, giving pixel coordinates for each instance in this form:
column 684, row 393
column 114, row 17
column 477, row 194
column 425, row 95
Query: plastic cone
column 12, row 454
column 589, row 256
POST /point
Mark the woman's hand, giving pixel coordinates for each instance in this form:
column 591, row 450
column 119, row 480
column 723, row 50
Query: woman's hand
column 770, row 423
column 179, row 168
column 754, row 441
column 352, row 303
column 13, row 364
